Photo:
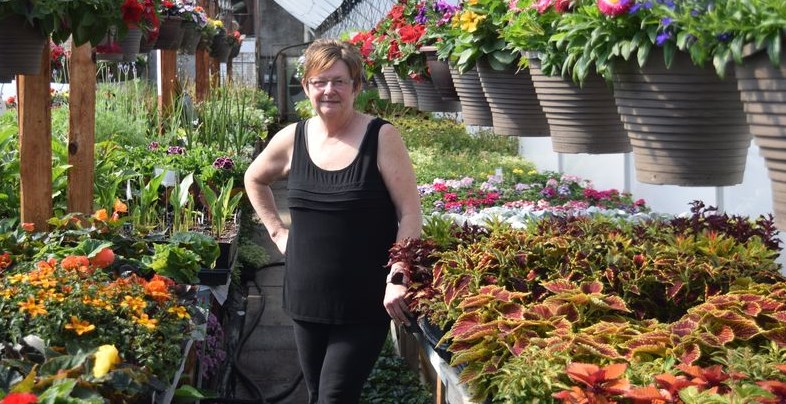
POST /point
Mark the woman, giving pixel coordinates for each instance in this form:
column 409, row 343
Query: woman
column 351, row 194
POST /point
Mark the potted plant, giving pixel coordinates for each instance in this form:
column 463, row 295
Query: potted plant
column 686, row 125
column 172, row 19
column 749, row 34
column 24, row 26
column 477, row 42
column 222, row 209
column 582, row 116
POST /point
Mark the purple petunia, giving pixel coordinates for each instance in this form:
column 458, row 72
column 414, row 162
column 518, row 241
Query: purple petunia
column 176, row 150
column 224, row 163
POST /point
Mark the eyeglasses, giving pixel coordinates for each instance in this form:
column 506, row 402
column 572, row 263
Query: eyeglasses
column 323, row 83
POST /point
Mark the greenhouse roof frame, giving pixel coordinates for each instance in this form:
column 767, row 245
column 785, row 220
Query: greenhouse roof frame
column 312, row 13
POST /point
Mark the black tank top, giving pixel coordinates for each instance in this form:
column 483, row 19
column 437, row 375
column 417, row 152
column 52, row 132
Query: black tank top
column 343, row 224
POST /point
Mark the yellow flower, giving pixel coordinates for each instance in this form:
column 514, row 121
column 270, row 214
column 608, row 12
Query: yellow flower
column 32, row 307
column 7, row 293
column 469, row 20
column 532, row 172
column 518, row 171
column 145, row 321
column 79, row 327
column 133, row 303
column 179, row 311
column 14, row 279
column 106, row 358
column 472, row 2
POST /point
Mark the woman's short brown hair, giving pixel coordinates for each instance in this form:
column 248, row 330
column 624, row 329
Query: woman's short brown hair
column 323, row 53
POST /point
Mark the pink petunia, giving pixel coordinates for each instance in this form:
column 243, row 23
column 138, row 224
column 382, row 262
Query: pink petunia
column 614, row 8
column 542, row 5
column 563, row 5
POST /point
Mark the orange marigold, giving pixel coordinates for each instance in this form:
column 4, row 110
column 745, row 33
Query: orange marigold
column 157, row 290
column 74, row 262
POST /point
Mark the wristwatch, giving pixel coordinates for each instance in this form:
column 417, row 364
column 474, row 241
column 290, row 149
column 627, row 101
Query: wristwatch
column 395, row 277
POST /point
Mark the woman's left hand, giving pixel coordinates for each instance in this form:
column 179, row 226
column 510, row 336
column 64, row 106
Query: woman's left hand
column 396, row 305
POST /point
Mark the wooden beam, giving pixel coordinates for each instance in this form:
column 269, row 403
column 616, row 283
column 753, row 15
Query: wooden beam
column 35, row 145
column 81, row 129
column 167, row 76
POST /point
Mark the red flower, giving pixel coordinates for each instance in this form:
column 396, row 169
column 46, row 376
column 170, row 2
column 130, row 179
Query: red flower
column 5, row 260
column 20, row 398
column 411, row 33
column 563, row 5
column 132, row 12
column 393, row 51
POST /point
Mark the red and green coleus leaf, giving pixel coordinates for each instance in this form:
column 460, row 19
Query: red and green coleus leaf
column 648, row 395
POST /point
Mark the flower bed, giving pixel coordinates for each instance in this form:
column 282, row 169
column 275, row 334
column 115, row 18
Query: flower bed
column 607, row 308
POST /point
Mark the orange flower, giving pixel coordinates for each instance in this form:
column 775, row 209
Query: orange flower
column 79, row 327
column 74, row 262
column 157, row 289
column 134, row 304
column 32, row 307
column 5, row 260
column 120, row 207
column 101, row 215
column 28, row 227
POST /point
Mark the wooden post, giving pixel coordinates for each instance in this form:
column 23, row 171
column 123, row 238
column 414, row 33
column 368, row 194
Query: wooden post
column 81, row 129
column 167, row 75
column 202, row 80
column 35, row 145
column 202, row 64
column 215, row 73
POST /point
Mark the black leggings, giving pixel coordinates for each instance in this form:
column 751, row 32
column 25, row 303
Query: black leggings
column 337, row 359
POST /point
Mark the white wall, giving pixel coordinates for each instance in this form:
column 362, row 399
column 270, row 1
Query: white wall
column 753, row 197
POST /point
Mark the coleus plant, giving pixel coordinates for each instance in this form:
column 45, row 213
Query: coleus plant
column 604, row 290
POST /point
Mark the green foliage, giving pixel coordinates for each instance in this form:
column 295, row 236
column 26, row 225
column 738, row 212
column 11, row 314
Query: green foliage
column 252, row 256
column 605, row 290
column 535, row 374
column 392, row 381
column 177, row 263
column 203, row 245
column 724, row 31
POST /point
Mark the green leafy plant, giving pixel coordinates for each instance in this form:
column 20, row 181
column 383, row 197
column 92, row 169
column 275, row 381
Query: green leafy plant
column 203, row 245
column 475, row 34
column 726, row 31
column 175, row 262
column 182, row 202
column 596, row 35
column 221, row 206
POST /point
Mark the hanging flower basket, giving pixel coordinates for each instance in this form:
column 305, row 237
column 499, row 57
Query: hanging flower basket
column 429, row 99
column 382, row 86
column 515, row 108
column 170, row 33
column 685, row 124
column 408, row 91
column 582, row 119
column 21, row 47
column 191, row 38
column 219, row 49
column 763, row 91
column 391, row 78
column 475, row 109
column 440, row 75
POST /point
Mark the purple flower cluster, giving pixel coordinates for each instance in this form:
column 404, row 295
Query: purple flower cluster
column 212, row 355
column 224, row 163
column 447, row 11
column 176, row 150
column 153, row 146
